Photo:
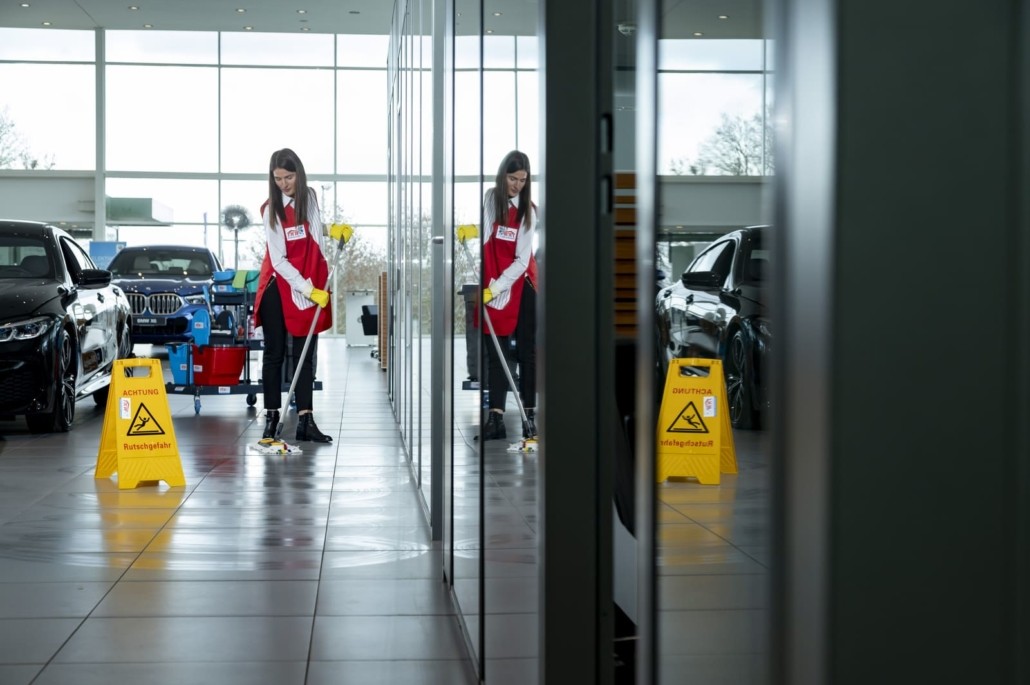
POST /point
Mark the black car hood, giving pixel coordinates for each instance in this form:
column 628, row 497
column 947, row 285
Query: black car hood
column 182, row 286
column 20, row 297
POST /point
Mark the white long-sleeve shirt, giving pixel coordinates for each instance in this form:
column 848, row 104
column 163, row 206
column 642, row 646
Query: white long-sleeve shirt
column 276, row 241
column 523, row 246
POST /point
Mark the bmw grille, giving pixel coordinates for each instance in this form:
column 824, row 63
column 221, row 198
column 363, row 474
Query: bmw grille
column 160, row 303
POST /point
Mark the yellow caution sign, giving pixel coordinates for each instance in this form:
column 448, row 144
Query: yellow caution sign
column 138, row 440
column 695, row 437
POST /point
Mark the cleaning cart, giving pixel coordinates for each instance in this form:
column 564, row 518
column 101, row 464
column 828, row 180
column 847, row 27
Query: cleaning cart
column 217, row 360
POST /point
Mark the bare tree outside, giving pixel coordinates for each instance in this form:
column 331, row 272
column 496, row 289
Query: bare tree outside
column 14, row 151
column 740, row 146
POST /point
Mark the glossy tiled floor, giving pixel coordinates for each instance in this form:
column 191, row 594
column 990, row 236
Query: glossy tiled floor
column 713, row 574
column 318, row 569
column 313, row 569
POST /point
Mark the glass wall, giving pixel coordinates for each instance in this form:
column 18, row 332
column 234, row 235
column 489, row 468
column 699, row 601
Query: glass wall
column 710, row 130
column 48, row 106
column 491, row 561
column 467, row 487
column 496, row 111
column 209, row 106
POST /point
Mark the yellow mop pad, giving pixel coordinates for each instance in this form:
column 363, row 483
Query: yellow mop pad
column 271, row 446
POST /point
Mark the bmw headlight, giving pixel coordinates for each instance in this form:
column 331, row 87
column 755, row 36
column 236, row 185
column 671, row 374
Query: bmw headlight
column 25, row 330
column 195, row 299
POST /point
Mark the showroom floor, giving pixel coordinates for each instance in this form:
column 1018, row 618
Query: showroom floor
column 313, row 569
column 318, row 569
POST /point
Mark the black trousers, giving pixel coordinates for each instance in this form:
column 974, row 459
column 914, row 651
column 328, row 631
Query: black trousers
column 276, row 336
column 525, row 355
column 525, row 346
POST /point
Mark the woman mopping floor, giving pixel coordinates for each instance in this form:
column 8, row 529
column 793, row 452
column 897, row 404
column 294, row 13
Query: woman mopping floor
column 509, row 294
column 287, row 302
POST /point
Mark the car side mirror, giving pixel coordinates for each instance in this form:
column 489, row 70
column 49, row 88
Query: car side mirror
column 701, row 279
column 94, row 278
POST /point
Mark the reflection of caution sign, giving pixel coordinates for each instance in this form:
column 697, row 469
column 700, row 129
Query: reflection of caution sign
column 688, row 421
column 144, row 423
column 138, row 440
column 695, row 439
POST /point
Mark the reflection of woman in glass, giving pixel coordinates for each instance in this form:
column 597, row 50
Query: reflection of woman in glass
column 509, row 274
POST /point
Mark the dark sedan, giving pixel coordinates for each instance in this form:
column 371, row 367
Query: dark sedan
column 62, row 326
column 165, row 285
column 718, row 310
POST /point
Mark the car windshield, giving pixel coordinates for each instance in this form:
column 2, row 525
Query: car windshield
column 166, row 263
column 24, row 257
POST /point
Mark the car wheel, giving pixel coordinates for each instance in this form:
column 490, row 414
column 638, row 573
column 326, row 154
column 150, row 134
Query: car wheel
column 60, row 419
column 739, row 383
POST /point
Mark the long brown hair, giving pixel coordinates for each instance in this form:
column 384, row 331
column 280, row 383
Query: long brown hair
column 288, row 159
column 512, row 162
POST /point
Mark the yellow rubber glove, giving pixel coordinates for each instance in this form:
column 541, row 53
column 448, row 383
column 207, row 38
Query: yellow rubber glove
column 341, row 231
column 319, row 297
column 466, row 232
column 487, row 295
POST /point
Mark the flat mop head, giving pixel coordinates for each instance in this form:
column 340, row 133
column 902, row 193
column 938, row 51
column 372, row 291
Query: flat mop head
column 526, row 446
column 271, row 446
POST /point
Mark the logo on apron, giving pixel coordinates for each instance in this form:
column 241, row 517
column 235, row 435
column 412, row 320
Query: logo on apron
column 294, row 232
column 507, row 233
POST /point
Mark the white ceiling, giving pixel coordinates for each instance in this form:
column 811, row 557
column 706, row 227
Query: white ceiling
column 680, row 18
column 265, row 16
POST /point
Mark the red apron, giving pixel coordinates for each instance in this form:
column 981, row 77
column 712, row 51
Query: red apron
column 303, row 253
column 498, row 254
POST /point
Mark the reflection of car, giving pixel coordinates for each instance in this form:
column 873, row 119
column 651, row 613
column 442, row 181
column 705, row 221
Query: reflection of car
column 165, row 286
column 718, row 311
column 62, row 326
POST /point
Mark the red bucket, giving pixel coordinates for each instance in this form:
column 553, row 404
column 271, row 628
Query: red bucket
column 216, row 365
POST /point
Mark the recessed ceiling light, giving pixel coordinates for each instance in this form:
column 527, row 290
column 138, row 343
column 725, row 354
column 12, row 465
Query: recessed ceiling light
column 305, row 28
column 497, row 14
column 698, row 34
column 133, row 8
column 25, row 4
column 724, row 16
column 302, row 11
column 241, row 10
column 489, row 30
column 148, row 26
column 46, row 23
column 248, row 28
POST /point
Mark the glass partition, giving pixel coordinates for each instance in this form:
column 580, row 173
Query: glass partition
column 713, row 142
column 468, row 379
column 410, row 244
column 422, row 100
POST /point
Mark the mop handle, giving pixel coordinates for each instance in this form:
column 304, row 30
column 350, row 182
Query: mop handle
column 500, row 353
column 307, row 340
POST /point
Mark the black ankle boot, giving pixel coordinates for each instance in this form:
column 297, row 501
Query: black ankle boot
column 529, row 425
column 271, row 421
column 307, row 431
column 494, row 427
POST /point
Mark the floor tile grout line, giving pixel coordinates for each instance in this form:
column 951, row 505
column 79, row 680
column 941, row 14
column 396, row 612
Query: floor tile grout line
column 325, row 541
column 114, row 584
